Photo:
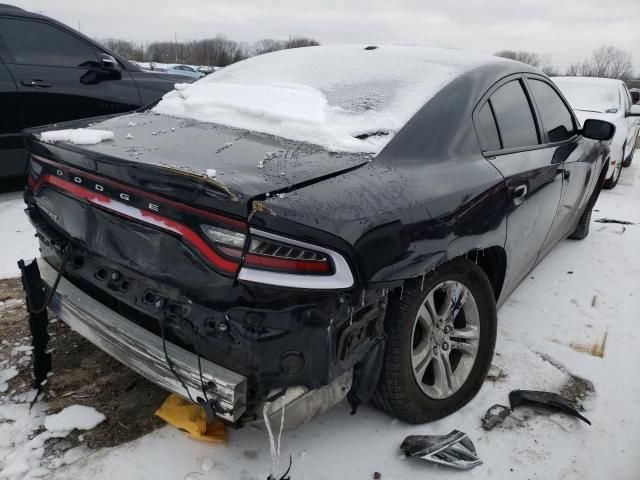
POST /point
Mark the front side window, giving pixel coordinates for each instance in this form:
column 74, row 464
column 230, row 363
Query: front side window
column 556, row 117
column 36, row 43
column 513, row 114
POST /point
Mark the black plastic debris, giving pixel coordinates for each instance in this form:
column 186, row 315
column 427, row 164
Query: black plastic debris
column 613, row 220
column 38, row 320
column 547, row 399
column 454, row 450
column 495, row 416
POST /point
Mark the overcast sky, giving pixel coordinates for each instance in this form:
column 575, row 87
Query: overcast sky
column 563, row 30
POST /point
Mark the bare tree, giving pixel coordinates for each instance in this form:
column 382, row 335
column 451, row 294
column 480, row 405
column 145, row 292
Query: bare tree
column 606, row 61
column 267, row 45
column 125, row 48
column 529, row 58
column 297, row 42
column 216, row 51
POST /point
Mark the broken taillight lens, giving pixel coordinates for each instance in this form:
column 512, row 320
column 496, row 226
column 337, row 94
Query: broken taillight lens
column 267, row 254
column 227, row 241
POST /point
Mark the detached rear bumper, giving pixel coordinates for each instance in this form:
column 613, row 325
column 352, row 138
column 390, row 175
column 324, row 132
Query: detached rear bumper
column 141, row 350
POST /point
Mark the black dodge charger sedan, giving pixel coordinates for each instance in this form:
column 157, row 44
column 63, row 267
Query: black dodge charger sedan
column 51, row 73
column 315, row 224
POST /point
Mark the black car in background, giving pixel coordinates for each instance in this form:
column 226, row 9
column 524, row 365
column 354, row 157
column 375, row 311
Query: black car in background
column 51, row 73
column 247, row 270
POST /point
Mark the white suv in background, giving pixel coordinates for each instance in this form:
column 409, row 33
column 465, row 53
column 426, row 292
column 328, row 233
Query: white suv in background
column 610, row 100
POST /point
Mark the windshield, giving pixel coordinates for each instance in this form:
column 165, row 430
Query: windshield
column 590, row 95
column 342, row 98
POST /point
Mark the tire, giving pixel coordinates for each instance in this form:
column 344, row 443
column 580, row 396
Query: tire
column 582, row 229
column 398, row 392
column 610, row 183
column 627, row 162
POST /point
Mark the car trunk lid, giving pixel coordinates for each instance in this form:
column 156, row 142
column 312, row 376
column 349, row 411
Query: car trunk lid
column 197, row 163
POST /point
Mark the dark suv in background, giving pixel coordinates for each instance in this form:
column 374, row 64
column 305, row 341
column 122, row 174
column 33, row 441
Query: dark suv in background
column 51, row 73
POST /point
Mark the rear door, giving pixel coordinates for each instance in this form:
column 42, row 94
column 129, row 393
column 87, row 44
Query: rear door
column 575, row 156
column 59, row 75
column 511, row 140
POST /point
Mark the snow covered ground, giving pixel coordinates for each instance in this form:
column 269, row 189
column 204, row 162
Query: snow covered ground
column 584, row 294
column 17, row 238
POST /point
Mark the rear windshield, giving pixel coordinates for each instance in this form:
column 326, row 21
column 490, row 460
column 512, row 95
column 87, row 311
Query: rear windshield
column 342, row 98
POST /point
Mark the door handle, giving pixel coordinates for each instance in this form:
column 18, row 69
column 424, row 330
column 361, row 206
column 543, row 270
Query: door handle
column 37, row 83
column 566, row 174
column 519, row 193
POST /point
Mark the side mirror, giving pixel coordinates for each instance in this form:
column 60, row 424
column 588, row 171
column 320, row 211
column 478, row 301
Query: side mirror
column 598, row 129
column 634, row 111
column 108, row 62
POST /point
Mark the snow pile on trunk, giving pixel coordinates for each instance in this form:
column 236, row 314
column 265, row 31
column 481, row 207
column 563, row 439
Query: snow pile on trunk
column 77, row 136
column 328, row 96
column 77, row 417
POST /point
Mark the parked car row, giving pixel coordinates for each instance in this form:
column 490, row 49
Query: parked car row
column 355, row 238
column 50, row 73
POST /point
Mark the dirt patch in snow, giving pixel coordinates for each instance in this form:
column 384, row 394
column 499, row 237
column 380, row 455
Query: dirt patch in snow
column 82, row 375
column 596, row 348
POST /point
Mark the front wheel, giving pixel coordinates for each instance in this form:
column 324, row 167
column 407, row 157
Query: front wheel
column 441, row 336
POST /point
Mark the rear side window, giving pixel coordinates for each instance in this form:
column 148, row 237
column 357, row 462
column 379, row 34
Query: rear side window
column 488, row 128
column 514, row 117
column 556, row 118
column 36, row 43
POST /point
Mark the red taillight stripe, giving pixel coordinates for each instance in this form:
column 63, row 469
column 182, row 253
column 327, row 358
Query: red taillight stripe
column 288, row 265
column 150, row 218
column 150, row 196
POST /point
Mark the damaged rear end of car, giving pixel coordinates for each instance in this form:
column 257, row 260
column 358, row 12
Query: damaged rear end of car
column 169, row 270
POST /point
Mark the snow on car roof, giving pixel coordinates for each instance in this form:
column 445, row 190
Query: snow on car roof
column 591, row 94
column 344, row 98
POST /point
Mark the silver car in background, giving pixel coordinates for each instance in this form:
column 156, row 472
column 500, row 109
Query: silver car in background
column 605, row 99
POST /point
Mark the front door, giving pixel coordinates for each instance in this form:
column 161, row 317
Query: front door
column 575, row 156
column 59, row 76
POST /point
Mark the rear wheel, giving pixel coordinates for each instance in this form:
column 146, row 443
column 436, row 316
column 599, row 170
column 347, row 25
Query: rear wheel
column 441, row 336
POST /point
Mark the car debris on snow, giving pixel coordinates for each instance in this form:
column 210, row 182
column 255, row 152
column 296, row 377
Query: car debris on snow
column 454, row 450
column 495, row 416
column 547, row 399
column 613, row 220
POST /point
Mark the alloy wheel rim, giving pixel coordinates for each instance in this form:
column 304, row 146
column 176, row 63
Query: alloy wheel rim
column 445, row 339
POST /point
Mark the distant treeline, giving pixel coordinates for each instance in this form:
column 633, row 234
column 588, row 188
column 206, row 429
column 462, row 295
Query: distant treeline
column 218, row 51
column 606, row 61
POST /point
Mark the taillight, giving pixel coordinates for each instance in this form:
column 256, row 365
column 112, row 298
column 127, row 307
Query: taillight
column 282, row 257
column 227, row 241
column 284, row 262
